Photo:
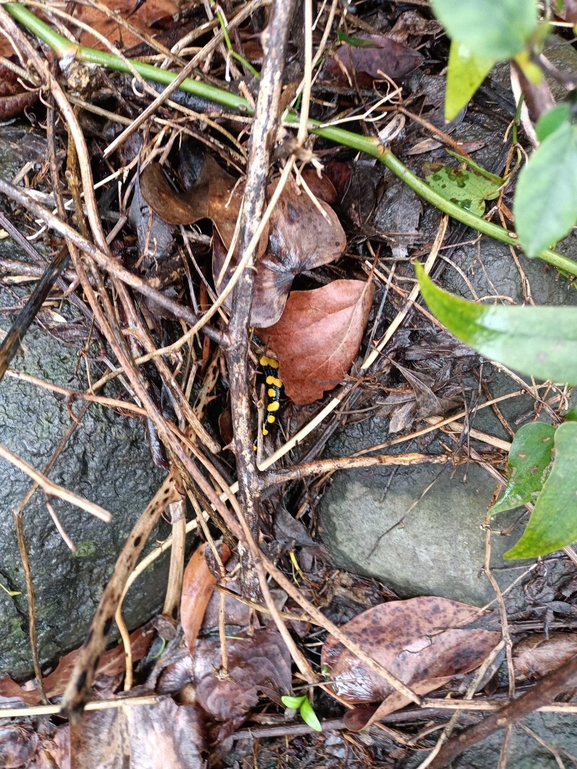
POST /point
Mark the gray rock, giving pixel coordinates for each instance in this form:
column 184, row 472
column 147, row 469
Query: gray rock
column 418, row 530
column 107, row 460
column 525, row 752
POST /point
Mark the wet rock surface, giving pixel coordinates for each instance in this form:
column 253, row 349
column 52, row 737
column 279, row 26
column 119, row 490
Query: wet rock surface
column 107, row 460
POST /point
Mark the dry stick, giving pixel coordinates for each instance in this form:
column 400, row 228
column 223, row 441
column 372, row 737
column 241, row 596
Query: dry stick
column 11, row 28
column 105, row 262
column 31, row 599
column 471, row 690
column 335, row 631
column 262, row 137
column 245, row 12
column 542, row 693
column 322, row 466
column 11, row 342
column 175, row 574
column 52, row 489
column 18, row 513
column 82, row 676
column 263, row 132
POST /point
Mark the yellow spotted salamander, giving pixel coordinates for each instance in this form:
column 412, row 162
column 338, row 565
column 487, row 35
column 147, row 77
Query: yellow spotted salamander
column 273, row 390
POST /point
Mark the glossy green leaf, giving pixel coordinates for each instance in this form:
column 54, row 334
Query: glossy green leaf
column 491, row 29
column 294, row 703
column 461, row 186
column 498, row 180
column 309, row 716
column 529, row 459
column 553, row 522
column 465, row 74
column 539, row 341
column 551, row 120
column 545, row 205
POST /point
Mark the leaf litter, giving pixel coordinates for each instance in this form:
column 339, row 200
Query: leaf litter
column 424, row 642
column 426, row 646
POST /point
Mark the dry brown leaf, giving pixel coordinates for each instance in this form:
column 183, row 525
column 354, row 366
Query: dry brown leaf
column 321, row 186
column 254, row 662
column 111, row 664
column 197, row 589
column 301, row 237
column 318, row 337
column 537, row 655
column 382, row 57
column 159, row 736
column 38, row 745
column 423, row 642
column 146, row 15
column 14, row 97
column 216, row 195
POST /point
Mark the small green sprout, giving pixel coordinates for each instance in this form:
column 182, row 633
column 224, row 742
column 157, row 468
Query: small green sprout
column 303, row 705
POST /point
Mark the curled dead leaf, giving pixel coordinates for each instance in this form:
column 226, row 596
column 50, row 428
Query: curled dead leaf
column 197, row 589
column 301, row 234
column 318, row 337
column 154, row 736
column 424, row 642
column 254, row 662
column 538, row 655
column 14, row 96
column 377, row 57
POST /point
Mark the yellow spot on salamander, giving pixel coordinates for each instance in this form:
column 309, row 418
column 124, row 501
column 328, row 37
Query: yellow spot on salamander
column 273, row 380
column 266, row 361
column 274, row 406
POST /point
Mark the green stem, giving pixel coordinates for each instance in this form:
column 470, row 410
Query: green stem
column 367, row 144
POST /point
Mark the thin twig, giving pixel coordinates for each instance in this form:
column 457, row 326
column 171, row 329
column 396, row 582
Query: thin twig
column 53, row 489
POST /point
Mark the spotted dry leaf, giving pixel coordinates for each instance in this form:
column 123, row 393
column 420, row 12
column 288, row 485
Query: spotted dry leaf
column 424, row 642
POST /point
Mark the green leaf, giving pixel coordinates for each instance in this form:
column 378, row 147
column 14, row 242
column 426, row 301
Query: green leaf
column 356, row 42
column 491, row 29
column 465, row 188
column 553, row 522
column 545, row 204
column 499, row 181
column 309, row 716
column 529, row 458
column 539, row 341
column 465, row 74
column 551, row 120
column 571, row 416
column 294, row 703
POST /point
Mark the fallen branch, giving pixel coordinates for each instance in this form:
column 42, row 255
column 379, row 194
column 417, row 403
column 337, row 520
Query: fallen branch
column 542, row 693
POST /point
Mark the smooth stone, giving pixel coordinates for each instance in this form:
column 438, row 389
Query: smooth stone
column 418, row 530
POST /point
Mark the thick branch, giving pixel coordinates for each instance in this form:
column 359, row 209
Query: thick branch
column 263, row 132
column 542, row 693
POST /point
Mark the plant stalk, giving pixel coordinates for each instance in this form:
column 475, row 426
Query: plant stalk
column 367, row 144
